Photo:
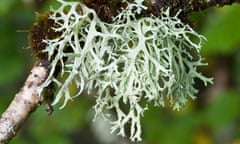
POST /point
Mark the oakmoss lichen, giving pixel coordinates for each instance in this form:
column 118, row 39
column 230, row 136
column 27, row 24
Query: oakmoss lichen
column 132, row 61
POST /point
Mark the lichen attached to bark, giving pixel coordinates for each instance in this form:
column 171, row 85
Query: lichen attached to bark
column 133, row 61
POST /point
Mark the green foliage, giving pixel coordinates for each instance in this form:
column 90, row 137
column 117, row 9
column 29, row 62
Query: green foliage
column 222, row 31
column 167, row 127
column 5, row 5
column 13, row 44
column 224, row 109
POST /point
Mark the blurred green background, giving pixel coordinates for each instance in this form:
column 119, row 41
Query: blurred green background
column 213, row 118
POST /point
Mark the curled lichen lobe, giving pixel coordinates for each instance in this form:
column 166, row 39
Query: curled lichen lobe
column 42, row 29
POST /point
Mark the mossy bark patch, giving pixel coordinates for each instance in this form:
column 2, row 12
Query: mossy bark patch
column 41, row 30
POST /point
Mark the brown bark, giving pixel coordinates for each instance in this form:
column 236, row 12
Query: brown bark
column 106, row 9
column 24, row 103
column 188, row 6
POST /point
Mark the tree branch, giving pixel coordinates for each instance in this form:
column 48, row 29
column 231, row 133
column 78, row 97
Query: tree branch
column 106, row 9
column 24, row 103
column 191, row 5
column 187, row 6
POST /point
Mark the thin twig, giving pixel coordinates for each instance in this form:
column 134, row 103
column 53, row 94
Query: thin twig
column 24, row 103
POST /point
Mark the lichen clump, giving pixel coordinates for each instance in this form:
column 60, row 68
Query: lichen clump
column 131, row 62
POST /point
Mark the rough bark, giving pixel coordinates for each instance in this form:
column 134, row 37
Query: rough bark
column 24, row 103
column 189, row 5
column 106, row 9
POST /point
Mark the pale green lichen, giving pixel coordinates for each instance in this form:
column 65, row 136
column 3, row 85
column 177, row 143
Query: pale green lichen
column 131, row 62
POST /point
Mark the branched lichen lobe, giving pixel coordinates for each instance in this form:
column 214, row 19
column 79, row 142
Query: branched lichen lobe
column 133, row 60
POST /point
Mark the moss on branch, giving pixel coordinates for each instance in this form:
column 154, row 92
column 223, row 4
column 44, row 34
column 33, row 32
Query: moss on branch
column 188, row 6
column 106, row 9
